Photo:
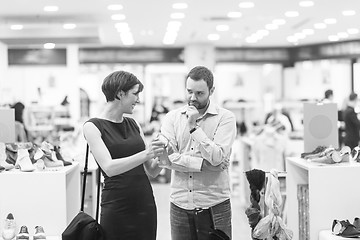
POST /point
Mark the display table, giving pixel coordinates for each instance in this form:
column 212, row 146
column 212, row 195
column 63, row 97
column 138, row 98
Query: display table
column 49, row 199
column 332, row 194
column 327, row 235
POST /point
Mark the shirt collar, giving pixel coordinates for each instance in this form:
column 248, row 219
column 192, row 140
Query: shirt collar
column 212, row 109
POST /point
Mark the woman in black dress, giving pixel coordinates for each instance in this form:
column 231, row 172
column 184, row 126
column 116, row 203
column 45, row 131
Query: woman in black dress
column 128, row 209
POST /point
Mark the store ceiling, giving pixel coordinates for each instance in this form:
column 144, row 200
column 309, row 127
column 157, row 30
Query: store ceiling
column 148, row 20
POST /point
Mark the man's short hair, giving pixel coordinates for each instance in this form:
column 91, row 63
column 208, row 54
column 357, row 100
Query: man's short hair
column 201, row 72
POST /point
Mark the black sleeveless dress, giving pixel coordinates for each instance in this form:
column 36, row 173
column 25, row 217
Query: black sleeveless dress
column 128, row 209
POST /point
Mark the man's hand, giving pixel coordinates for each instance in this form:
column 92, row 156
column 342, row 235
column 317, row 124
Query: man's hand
column 207, row 167
column 192, row 113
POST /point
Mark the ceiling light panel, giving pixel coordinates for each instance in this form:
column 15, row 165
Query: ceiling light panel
column 51, row 8
column 179, row 5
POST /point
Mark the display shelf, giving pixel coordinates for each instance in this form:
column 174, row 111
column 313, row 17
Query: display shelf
column 49, row 199
column 332, row 193
column 327, row 235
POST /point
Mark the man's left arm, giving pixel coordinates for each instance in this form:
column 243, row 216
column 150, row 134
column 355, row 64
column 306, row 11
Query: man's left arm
column 217, row 150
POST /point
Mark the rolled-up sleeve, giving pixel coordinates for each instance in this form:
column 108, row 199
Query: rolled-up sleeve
column 183, row 162
column 217, row 150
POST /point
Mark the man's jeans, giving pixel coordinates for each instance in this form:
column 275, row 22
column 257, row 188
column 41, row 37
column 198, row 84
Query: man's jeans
column 196, row 224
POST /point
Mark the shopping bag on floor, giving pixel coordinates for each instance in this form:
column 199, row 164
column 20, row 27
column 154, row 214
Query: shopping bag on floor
column 83, row 227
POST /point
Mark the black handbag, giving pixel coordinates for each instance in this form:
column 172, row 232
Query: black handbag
column 84, row 226
column 216, row 234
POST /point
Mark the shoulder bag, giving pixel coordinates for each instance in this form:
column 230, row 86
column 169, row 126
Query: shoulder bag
column 84, row 226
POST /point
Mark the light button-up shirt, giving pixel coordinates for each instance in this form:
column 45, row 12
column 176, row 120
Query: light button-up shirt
column 212, row 140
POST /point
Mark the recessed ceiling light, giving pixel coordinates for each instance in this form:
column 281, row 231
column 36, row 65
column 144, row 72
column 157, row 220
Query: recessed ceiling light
column 222, row 28
column 180, row 5
column 330, row 21
column 118, row 17
column 279, row 21
column 300, row 35
column 51, row 8
column 291, row 14
column 234, row 14
column 308, row 31
column 333, row 38
column 306, row 3
column 271, row 26
column 319, row 25
column 353, row 31
column 115, row 7
column 246, row 5
column 177, row 15
column 16, row 27
column 251, row 40
column 122, row 27
column 262, row 32
column 69, row 26
column 291, row 39
column 213, row 37
column 49, row 45
column 348, row 13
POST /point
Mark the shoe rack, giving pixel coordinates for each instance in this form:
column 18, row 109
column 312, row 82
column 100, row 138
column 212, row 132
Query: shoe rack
column 49, row 198
column 332, row 194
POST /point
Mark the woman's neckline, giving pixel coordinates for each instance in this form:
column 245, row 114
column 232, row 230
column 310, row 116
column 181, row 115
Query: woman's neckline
column 108, row 120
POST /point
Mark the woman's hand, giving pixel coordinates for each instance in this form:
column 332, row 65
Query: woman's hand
column 156, row 149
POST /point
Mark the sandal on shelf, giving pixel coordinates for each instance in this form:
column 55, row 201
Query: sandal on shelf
column 344, row 229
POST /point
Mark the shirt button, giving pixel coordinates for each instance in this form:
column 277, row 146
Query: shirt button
column 190, row 176
column 189, row 190
column 192, row 148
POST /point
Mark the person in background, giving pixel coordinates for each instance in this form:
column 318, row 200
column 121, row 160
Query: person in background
column 352, row 123
column 128, row 209
column 200, row 136
column 328, row 96
column 21, row 133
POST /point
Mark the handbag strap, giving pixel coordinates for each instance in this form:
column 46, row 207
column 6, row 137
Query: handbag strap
column 84, row 185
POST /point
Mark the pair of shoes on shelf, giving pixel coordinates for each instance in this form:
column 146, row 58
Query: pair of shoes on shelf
column 17, row 156
column 24, row 233
column 344, row 228
column 9, row 229
column 45, row 158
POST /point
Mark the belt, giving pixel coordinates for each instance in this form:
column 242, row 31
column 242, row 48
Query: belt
column 198, row 211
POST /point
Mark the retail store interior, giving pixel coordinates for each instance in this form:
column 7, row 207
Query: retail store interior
column 274, row 65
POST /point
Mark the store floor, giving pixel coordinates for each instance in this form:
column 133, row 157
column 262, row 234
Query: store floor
column 240, row 226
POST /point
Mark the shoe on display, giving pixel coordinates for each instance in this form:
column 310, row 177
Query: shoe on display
column 59, row 156
column 11, row 150
column 51, row 164
column 357, row 223
column 345, row 154
column 344, row 229
column 23, row 234
column 39, row 233
column 39, row 165
column 355, row 156
column 23, row 161
column 9, row 228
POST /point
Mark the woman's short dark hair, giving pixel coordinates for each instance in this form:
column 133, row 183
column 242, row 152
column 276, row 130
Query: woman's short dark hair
column 119, row 81
column 201, row 72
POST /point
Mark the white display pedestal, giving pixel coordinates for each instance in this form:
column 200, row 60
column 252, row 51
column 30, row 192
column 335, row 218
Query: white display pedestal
column 327, row 235
column 333, row 193
column 49, row 199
